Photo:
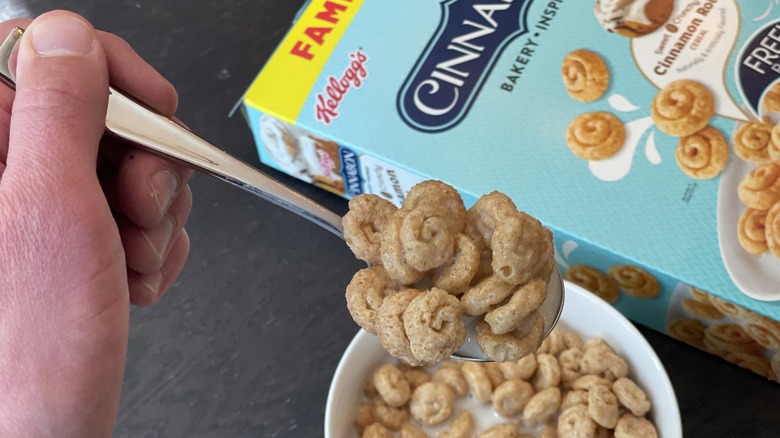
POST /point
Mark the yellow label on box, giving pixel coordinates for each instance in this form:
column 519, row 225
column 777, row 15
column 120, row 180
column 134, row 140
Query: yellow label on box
column 301, row 57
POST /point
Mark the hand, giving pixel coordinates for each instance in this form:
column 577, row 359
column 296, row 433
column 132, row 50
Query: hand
column 87, row 226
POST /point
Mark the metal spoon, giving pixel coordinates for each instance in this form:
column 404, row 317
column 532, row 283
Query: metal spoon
column 132, row 122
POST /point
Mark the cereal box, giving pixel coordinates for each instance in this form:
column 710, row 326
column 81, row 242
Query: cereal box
column 642, row 132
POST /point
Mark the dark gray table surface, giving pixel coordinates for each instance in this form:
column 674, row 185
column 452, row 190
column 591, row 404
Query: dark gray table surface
column 247, row 341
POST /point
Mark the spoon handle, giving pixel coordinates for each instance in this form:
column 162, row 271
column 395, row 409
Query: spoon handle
column 144, row 128
column 160, row 135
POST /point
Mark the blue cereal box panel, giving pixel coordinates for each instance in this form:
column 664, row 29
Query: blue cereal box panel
column 642, row 132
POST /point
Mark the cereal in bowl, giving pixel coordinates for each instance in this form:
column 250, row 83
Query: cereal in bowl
column 529, row 399
column 432, row 250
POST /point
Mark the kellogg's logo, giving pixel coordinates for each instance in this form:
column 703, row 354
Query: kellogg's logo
column 448, row 76
column 328, row 102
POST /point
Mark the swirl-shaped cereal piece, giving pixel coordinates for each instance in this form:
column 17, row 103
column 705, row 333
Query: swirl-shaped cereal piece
column 702, row 155
column 635, row 281
column 479, row 382
column 525, row 300
column 432, row 403
column 511, row 397
column 522, row 250
column 773, row 229
column 763, row 330
column 514, row 345
column 699, row 295
column 590, row 381
column 594, row 281
column 575, row 422
column 434, row 325
column 630, row 395
column 456, row 275
column 603, row 406
column 438, row 199
column 573, row 398
column 682, row 108
column 602, row 361
column 774, row 145
column 595, row 136
column 484, row 216
column 752, row 141
column 542, row 406
column 388, row 416
column 365, row 295
column 630, row 426
column 585, row 75
column 733, row 311
column 391, row 385
column 701, row 310
column 690, row 331
column 729, row 338
column 761, row 187
column 569, row 361
column 521, row 369
column 390, row 324
column 427, row 241
column 454, row 378
column 548, row 372
column 392, row 253
column 752, row 233
column 485, row 295
column 462, row 426
column 363, row 225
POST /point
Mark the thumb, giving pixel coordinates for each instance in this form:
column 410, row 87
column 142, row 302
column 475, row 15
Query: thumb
column 59, row 110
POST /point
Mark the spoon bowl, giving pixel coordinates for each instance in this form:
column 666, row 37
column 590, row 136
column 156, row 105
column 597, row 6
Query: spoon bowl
column 132, row 122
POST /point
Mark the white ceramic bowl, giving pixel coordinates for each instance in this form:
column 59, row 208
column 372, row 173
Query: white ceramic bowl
column 583, row 312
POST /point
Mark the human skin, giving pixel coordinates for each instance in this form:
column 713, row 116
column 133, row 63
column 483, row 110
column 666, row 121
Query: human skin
column 88, row 226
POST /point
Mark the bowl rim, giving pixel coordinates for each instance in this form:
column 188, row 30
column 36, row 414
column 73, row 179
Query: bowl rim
column 674, row 423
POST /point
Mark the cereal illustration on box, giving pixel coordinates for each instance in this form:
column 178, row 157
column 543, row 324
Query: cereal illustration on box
column 644, row 133
column 736, row 334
